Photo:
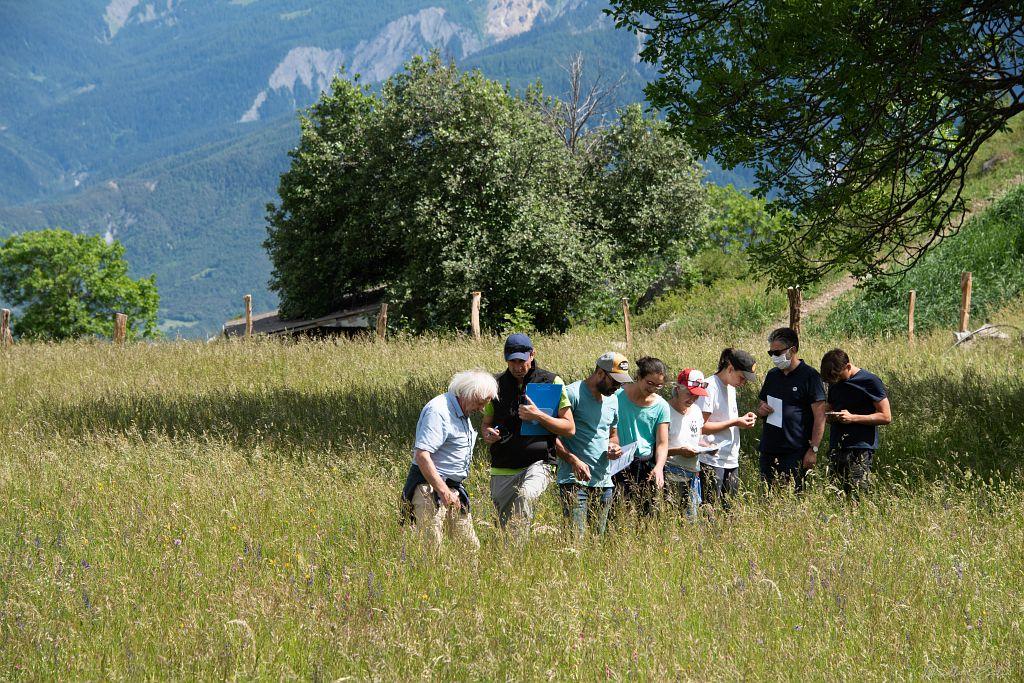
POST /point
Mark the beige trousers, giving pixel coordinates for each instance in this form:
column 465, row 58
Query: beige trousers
column 434, row 521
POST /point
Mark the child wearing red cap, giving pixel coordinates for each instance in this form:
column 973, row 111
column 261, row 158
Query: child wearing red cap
column 682, row 470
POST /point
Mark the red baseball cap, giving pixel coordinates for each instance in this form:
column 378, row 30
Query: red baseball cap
column 694, row 382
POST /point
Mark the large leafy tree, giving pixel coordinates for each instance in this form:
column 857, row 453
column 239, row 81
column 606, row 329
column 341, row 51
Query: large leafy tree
column 861, row 116
column 66, row 285
column 446, row 182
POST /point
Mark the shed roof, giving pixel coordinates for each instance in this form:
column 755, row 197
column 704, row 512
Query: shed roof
column 359, row 312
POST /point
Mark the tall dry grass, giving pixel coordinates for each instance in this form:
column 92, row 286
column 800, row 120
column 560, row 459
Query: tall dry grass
column 228, row 511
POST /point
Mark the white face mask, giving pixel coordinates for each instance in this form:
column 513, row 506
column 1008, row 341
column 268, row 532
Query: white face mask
column 781, row 361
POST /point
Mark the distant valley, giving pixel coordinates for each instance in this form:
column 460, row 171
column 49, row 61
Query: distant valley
column 166, row 123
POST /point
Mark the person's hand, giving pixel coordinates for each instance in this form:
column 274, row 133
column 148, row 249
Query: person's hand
column 529, row 409
column 844, row 417
column 491, row 435
column 746, row 421
column 763, row 409
column 614, row 451
column 689, row 450
column 810, row 459
column 449, row 498
column 657, row 475
column 580, row 470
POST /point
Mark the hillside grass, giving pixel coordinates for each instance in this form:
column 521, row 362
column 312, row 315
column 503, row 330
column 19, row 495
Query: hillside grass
column 741, row 305
column 228, row 510
column 990, row 246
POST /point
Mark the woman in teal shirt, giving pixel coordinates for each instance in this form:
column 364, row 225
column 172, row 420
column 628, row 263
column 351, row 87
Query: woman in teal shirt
column 643, row 423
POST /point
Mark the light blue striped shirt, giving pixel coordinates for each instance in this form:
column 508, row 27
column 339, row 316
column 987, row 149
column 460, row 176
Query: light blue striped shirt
column 445, row 432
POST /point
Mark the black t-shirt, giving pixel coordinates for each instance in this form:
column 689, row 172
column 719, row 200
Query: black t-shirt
column 859, row 394
column 798, row 390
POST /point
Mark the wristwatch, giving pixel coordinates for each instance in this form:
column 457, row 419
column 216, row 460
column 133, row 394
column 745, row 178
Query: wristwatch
column 815, row 449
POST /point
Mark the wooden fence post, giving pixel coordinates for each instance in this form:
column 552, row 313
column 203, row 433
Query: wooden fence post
column 629, row 328
column 248, row 314
column 965, row 300
column 382, row 322
column 474, row 315
column 6, row 338
column 795, row 302
column 120, row 328
column 910, row 315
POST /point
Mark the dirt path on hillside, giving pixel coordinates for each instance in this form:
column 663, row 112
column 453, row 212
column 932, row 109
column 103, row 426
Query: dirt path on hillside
column 823, row 300
column 848, row 282
column 820, row 302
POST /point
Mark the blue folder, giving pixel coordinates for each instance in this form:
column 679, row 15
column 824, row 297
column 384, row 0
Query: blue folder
column 546, row 396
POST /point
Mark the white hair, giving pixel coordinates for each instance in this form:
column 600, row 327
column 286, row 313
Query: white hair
column 474, row 385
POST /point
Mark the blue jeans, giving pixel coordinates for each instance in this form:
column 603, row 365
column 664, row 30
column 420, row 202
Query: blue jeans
column 587, row 505
column 685, row 492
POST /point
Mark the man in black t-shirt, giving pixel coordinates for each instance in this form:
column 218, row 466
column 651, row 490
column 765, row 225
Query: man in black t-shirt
column 857, row 404
column 792, row 399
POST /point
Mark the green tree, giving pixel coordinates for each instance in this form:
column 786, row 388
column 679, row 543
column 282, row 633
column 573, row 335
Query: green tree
column 647, row 199
column 66, row 286
column 446, row 182
column 862, row 115
column 738, row 221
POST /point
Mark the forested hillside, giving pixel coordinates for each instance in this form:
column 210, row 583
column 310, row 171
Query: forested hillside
column 166, row 124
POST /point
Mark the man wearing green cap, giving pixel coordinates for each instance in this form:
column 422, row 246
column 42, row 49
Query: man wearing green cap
column 521, row 464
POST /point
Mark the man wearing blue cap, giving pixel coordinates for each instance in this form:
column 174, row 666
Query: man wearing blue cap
column 521, row 464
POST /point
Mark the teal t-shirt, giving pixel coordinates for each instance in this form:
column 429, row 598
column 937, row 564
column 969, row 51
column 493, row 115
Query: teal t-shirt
column 640, row 424
column 594, row 421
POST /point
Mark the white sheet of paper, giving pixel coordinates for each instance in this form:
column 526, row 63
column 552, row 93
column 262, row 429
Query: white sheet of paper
column 622, row 462
column 775, row 418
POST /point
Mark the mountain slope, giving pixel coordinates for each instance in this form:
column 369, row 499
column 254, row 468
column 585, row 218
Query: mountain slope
column 166, row 123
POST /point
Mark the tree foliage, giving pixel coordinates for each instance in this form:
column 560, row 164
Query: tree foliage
column 861, row 115
column 66, row 286
column 446, row 182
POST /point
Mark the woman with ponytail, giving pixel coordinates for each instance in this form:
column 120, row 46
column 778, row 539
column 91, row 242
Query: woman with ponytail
column 719, row 470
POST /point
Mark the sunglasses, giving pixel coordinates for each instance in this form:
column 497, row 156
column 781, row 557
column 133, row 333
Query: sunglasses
column 611, row 379
column 779, row 352
column 696, row 383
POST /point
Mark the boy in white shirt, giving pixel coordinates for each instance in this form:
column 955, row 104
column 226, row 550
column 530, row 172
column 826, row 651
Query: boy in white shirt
column 682, row 470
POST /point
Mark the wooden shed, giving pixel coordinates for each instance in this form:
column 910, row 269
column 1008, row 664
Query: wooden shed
column 358, row 313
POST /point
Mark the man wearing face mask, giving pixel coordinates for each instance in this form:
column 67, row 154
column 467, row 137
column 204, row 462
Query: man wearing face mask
column 792, row 399
column 521, row 464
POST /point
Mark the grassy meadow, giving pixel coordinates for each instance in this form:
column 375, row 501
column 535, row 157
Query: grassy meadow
column 228, row 510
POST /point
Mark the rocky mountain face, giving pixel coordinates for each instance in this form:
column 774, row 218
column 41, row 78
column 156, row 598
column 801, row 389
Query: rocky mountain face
column 166, row 123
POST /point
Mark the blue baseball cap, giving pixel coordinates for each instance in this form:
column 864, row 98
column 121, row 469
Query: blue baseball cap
column 518, row 347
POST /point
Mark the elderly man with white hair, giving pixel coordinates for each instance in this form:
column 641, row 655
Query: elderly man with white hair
column 441, row 455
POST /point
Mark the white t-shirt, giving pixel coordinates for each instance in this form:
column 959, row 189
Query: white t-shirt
column 684, row 430
column 721, row 403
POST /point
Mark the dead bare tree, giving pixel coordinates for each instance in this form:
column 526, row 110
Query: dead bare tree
column 582, row 103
